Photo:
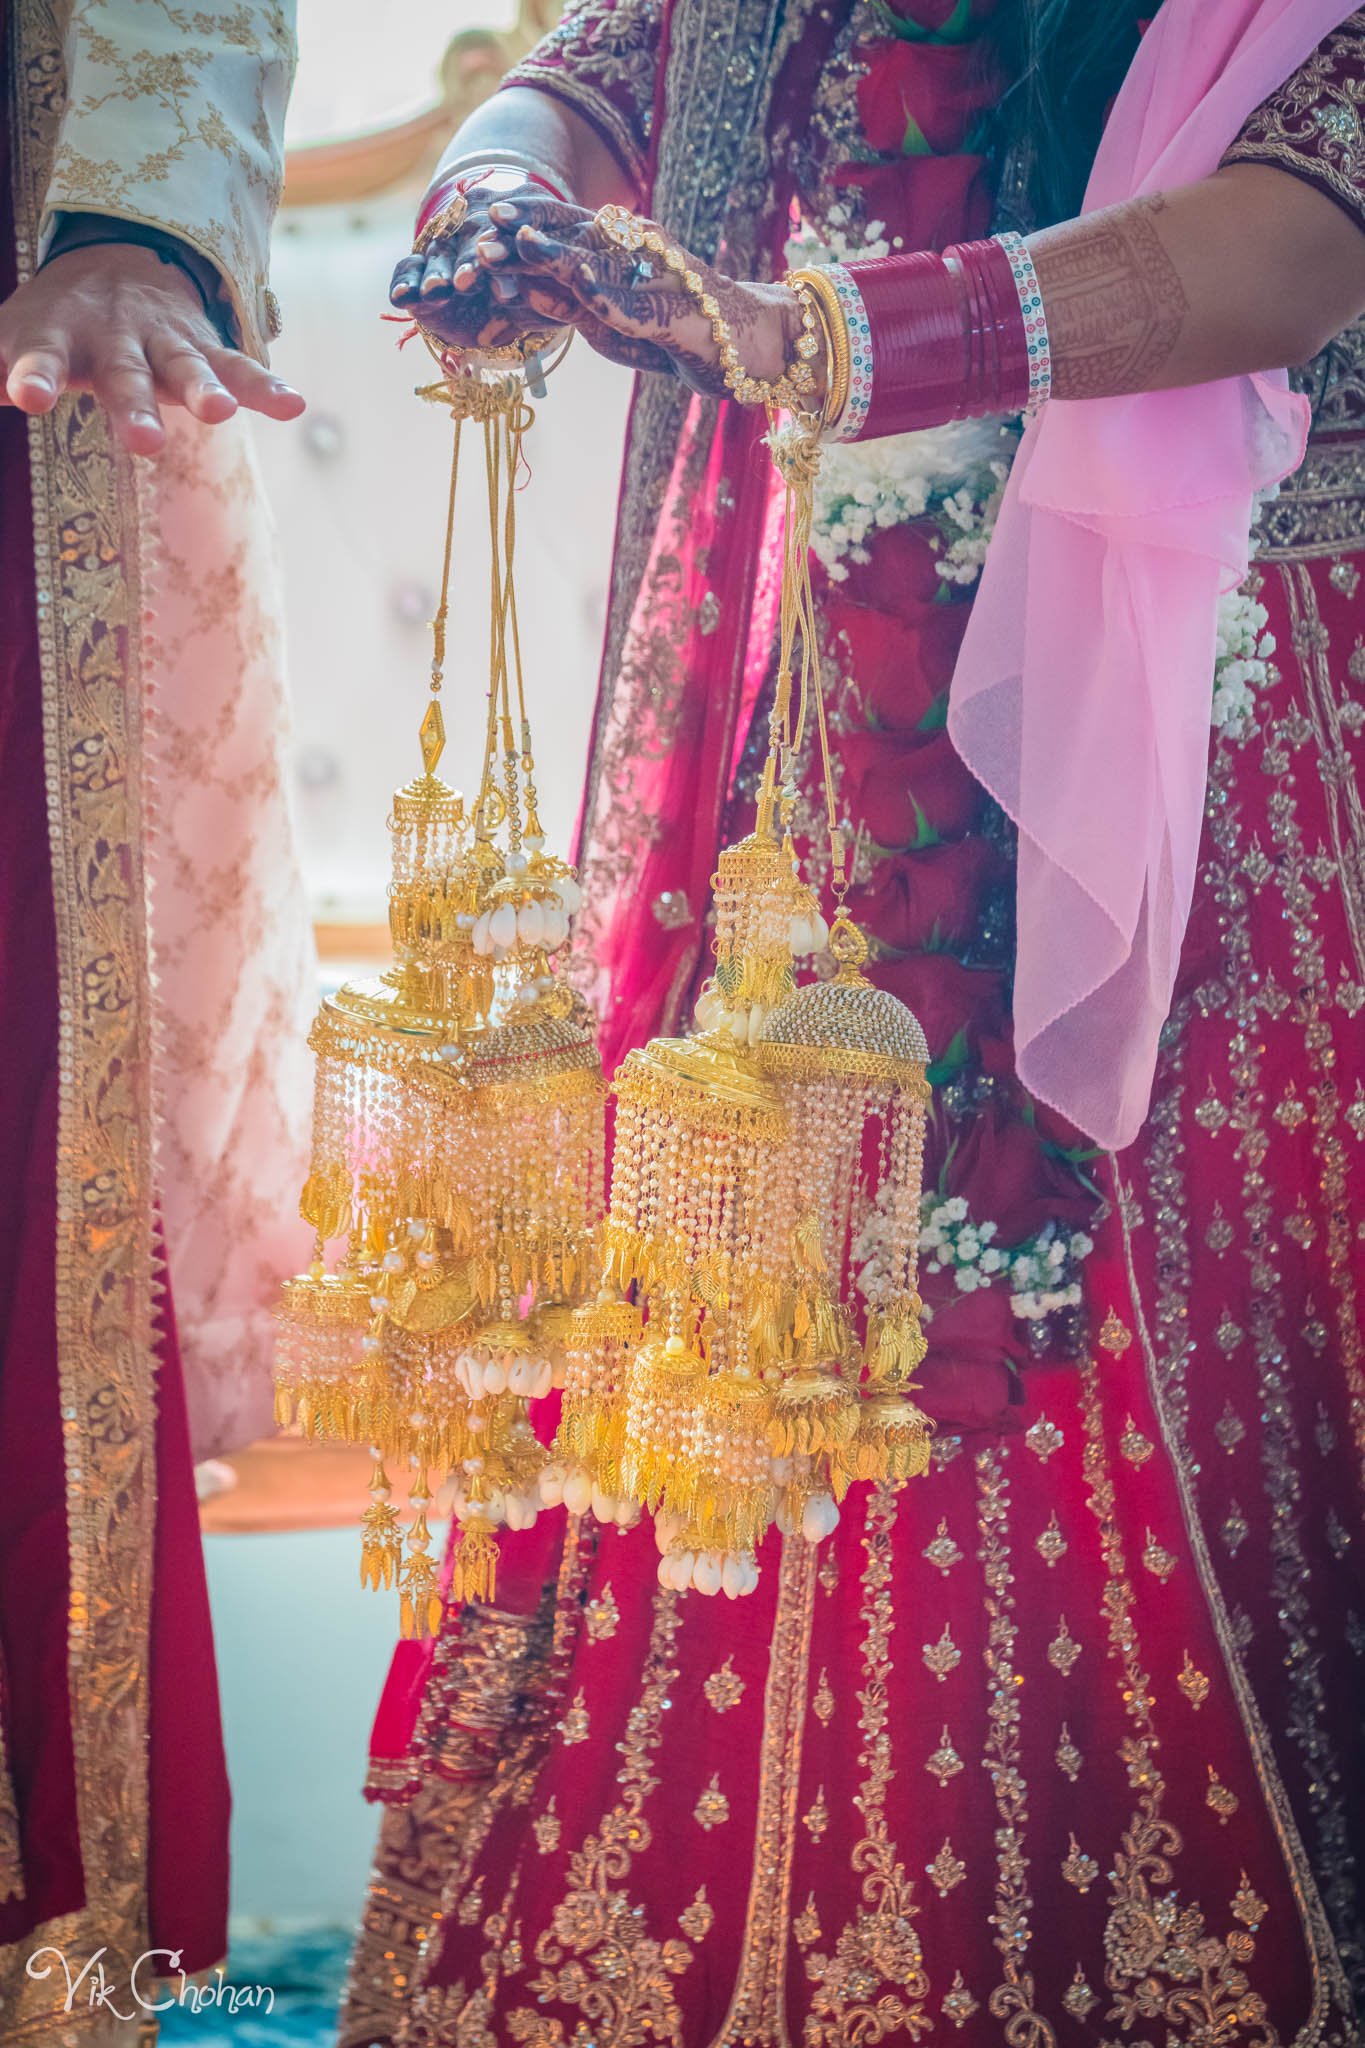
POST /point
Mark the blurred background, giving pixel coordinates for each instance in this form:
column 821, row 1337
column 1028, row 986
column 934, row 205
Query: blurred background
column 358, row 493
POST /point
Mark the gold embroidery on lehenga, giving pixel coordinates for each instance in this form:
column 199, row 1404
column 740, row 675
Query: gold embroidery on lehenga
column 944, row 1762
column 874, row 1986
column 943, row 1656
column 942, row 1552
column 724, row 1688
column 1162, row 1963
column 1013, row 1997
column 712, row 1809
column 597, row 1954
column 757, row 2013
column 946, row 1871
column 1063, row 1650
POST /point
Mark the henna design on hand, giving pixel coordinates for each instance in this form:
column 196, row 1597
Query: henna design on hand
column 1115, row 303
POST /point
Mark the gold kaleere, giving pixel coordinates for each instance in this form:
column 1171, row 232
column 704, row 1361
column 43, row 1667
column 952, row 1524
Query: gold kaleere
column 459, row 1125
column 766, row 1175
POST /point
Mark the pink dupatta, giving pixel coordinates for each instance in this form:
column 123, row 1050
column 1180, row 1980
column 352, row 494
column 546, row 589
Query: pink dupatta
column 1082, row 694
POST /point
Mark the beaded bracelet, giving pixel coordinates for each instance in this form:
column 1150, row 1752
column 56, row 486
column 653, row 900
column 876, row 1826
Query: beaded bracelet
column 1035, row 320
column 848, row 424
column 835, row 328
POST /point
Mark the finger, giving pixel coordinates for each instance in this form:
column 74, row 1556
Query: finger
column 406, row 280
column 184, row 377
column 491, row 248
column 553, row 215
column 122, row 382
column 469, row 277
column 436, row 275
column 38, row 377
column 255, row 387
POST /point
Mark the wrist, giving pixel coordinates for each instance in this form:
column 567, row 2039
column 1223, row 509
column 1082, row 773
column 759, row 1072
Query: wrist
column 76, row 231
column 954, row 336
column 500, row 171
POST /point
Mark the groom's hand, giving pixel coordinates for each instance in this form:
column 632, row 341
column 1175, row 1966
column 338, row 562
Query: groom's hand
column 113, row 319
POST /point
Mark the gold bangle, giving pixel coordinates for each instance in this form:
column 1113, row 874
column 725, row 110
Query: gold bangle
column 839, row 357
column 793, row 388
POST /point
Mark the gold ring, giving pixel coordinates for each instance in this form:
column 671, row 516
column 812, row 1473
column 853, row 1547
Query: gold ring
column 621, row 226
column 446, row 220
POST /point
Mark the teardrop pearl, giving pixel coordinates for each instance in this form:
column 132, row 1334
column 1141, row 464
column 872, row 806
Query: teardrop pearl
column 483, row 942
column 578, row 1493
column 819, row 1518
column 552, row 1486
column 708, row 1574
column 502, row 927
column 531, row 924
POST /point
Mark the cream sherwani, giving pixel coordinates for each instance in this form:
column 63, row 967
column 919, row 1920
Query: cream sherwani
column 172, row 116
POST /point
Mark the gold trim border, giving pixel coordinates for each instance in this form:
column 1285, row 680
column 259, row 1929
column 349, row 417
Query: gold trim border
column 88, row 595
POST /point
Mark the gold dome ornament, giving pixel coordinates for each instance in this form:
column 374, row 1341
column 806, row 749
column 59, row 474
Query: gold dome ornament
column 752, row 1385
column 850, row 1061
column 459, row 1124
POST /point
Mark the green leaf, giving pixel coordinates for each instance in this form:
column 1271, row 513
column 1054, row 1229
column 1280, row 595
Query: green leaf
column 952, row 1062
column 956, row 29
column 914, row 142
column 925, row 834
column 936, row 717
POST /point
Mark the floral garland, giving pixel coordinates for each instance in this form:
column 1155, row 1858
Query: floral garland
column 1242, row 661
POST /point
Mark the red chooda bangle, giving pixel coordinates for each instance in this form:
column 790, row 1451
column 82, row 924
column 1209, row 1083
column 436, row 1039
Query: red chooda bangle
column 948, row 337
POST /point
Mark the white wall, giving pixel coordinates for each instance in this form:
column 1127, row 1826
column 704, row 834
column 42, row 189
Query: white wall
column 302, row 1652
column 358, row 489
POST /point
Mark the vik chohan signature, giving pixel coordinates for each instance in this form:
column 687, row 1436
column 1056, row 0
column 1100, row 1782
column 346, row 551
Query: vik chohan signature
column 106, row 1983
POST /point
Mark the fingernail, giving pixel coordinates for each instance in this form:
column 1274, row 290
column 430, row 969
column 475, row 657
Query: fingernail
column 284, row 390
column 145, row 419
column 37, row 382
column 502, row 209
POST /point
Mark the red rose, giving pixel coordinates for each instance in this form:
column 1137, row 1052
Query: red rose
column 921, row 99
column 1006, row 1176
column 900, row 667
column 965, row 1382
column 896, row 784
column 900, row 578
column 929, row 898
column 947, row 997
column 929, row 201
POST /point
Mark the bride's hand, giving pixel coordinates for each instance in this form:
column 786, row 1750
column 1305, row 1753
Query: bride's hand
column 630, row 305
column 470, row 303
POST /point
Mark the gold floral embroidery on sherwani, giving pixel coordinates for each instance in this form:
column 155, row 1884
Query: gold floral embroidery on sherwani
column 173, row 115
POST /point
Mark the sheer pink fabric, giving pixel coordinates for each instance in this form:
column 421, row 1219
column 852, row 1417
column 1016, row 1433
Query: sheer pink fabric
column 1082, row 694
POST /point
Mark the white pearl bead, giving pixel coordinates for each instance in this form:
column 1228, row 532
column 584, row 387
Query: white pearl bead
column 552, row 1486
column 578, row 1493
column 494, row 1377
column 483, row 938
column 502, row 927
column 426, row 1259
column 569, row 894
column 732, row 1576
column 530, row 924
column 708, row 1574
column 392, row 1262
column 517, row 863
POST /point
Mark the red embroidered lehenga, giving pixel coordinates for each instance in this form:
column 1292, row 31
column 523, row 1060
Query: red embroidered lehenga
column 1062, row 1743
